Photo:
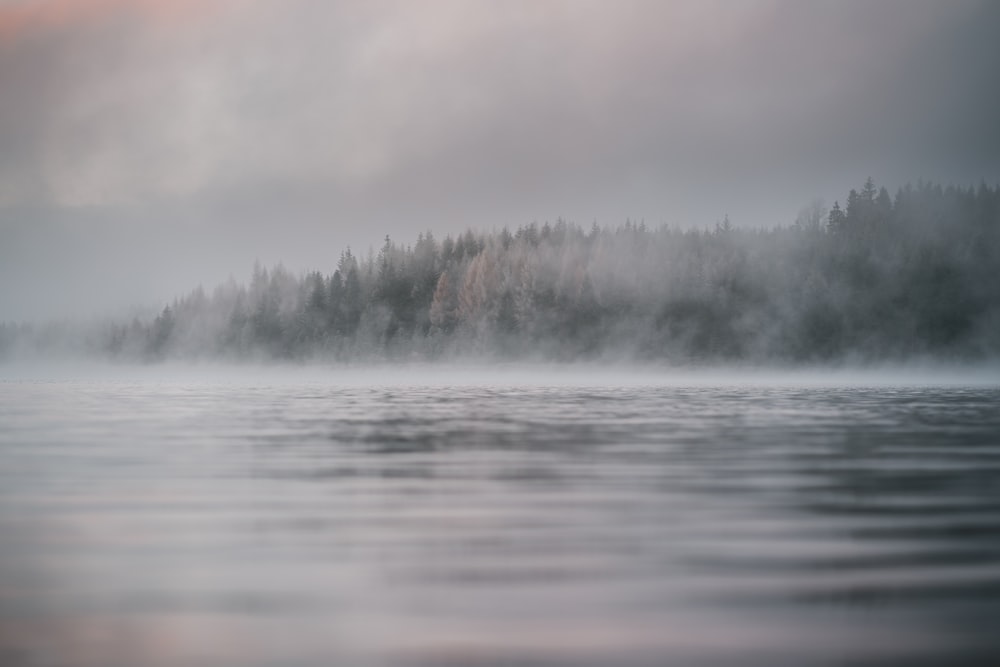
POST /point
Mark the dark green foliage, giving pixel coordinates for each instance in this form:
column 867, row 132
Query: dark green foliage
column 913, row 275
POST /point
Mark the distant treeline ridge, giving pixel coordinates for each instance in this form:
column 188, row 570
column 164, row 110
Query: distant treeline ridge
column 881, row 278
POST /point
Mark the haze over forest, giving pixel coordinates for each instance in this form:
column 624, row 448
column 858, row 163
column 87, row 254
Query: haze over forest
column 882, row 278
column 554, row 178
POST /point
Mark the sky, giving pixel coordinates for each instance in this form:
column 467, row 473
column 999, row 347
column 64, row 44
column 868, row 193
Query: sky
column 149, row 146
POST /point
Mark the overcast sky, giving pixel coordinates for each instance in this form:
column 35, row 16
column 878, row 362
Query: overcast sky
column 147, row 146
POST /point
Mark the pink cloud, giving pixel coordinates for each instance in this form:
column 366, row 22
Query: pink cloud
column 34, row 16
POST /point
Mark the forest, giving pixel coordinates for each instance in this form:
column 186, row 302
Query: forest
column 883, row 277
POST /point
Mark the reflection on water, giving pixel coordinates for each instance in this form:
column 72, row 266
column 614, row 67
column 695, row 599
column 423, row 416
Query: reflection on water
column 192, row 523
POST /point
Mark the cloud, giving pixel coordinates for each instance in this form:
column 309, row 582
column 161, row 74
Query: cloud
column 24, row 19
column 359, row 96
column 347, row 120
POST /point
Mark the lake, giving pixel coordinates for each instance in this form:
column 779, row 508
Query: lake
column 305, row 517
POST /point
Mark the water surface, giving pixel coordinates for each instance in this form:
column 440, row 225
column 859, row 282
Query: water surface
column 158, row 519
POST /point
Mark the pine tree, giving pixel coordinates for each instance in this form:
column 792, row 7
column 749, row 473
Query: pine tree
column 837, row 221
column 442, row 310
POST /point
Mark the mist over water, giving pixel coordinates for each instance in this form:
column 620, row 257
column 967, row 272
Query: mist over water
column 472, row 516
column 484, row 334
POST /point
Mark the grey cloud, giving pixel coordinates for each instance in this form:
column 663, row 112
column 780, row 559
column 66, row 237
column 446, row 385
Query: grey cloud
column 295, row 128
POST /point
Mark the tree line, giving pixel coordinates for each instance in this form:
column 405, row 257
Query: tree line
column 884, row 277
